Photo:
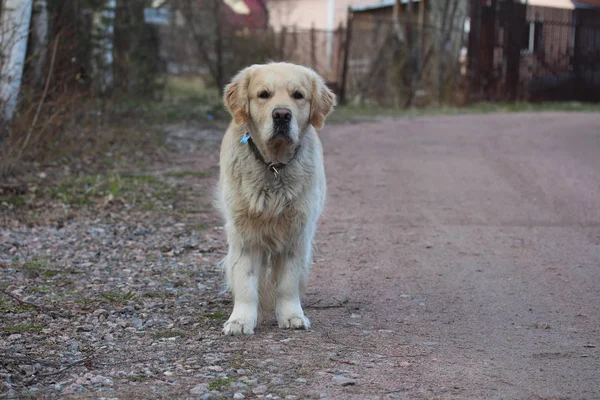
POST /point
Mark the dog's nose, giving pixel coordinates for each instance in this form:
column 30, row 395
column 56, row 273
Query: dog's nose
column 282, row 115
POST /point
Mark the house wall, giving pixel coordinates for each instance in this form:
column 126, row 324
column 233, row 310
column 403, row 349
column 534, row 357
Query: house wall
column 305, row 14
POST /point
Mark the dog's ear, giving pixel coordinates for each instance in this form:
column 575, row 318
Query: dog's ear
column 236, row 96
column 322, row 103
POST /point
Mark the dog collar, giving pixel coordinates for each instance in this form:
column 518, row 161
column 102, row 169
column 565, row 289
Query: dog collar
column 273, row 167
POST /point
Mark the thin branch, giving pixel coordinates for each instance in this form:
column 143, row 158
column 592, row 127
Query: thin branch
column 39, row 108
column 19, row 300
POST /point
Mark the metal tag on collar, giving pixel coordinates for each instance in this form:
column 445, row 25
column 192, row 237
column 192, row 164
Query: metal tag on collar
column 245, row 138
column 273, row 169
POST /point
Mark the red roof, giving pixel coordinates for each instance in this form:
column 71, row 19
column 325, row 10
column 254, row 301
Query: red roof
column 256, row 19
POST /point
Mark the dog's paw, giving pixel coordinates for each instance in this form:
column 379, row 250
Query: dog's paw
column 238, row 327
column 296, row 321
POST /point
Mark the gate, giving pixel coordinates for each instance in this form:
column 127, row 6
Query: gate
column 533, row 53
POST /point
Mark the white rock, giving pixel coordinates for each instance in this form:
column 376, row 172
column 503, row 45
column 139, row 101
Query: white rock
column 199, row 389
column 344, row 380
column 260, row 389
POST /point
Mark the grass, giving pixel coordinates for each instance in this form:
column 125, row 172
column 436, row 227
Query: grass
column 12, row 200
column 118, row 298
column 220, row 316
column 185, row 98
column 14, row 307
column 20, row 328
column 359, row 113
column 137, row 189
column 195, row 174
column 218, row 383
column 37, row 267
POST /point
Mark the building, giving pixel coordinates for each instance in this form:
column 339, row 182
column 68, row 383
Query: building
column 307, row 14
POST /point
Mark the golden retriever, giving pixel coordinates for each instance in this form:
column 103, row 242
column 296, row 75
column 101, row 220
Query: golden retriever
column 271, row 189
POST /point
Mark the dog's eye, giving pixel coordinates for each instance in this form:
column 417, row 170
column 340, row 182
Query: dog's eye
column 264, row 94
column 297, row 95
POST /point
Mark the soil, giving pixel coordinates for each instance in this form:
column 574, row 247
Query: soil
column 458, row 258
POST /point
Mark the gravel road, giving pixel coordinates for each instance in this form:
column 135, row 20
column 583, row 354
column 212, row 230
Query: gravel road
column 458, row 258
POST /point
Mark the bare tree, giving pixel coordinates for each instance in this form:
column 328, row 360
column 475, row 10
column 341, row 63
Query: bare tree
column 448, row 18
column 103, row 28
column 14, row 31
column 39, row 39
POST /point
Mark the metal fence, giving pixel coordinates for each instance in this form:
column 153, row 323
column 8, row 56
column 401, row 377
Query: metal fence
column 534, row 53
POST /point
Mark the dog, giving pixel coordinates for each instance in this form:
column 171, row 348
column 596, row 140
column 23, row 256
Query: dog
column 271, row 190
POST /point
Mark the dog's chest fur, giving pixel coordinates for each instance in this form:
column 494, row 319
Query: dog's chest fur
column 271, row 209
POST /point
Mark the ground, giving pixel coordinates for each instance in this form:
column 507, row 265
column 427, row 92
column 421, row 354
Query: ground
column 458, row 257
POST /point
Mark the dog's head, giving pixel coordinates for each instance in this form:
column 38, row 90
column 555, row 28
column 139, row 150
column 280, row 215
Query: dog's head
column 278, row 102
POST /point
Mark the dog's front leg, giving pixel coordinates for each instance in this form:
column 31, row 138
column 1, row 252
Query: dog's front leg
column 243, row 267
column 292, row 273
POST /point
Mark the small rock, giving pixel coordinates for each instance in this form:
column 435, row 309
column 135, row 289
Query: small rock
column 277, row 380
column 168, row 373
column 100, row 312
column 301, row 380
column 344, row 380
column 199, row 389
column 14, row 336
column 238, row 395
column 239, row 385
column 291, row 397
column 260, row 389
column 215, row 368
column 354, row 315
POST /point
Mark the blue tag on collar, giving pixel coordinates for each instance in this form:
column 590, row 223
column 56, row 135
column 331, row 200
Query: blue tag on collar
column 245, row 138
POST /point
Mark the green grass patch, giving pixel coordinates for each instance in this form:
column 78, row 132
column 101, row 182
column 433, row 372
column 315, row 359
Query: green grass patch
column 218, row 383
column 217, row 316
column 138, row 378
column 359, row 113
column 20, row 328
column 13, row 307
column 142, row 190
column 184, row 174
column 15, row 201
column 185, row 99
column 35, row 263
column 118, row 298
column 168, row 334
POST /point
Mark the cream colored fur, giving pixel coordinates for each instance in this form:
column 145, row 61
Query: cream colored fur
column 271, row 219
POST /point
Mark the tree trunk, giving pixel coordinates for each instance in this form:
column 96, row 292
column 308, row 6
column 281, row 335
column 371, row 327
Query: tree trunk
column 14, row 31
column 103, row 25
column 39, row 40
column 219, row 77
column 396, row 21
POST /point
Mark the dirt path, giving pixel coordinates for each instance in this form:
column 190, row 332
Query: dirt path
column 459, row 258
column 475, row 240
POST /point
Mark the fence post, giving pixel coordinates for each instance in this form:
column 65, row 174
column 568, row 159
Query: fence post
column 338, row 57
column 313, row 54
column 282, row 43
column 294, row 40
column 474, row 50
column 347, row 42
